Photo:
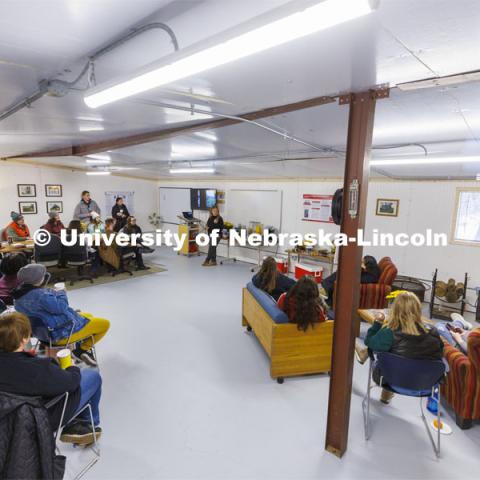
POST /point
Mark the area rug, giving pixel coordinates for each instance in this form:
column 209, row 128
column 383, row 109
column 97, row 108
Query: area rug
column 61, row 273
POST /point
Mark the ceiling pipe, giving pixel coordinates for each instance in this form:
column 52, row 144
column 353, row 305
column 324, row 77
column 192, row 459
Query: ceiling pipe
column 60, row 88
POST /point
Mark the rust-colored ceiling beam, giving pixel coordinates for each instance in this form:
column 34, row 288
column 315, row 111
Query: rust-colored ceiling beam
column 162, row 134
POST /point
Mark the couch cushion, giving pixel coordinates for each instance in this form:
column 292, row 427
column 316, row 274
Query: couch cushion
column 388, row 271
column 268, row 304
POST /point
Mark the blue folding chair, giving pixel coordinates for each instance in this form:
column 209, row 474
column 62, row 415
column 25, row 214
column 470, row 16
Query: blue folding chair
column 409, row 377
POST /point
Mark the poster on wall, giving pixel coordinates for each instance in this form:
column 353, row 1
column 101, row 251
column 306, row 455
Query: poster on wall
column 317, row 208
column 110, row 198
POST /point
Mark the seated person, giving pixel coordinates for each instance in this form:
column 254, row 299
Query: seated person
column 403, row 333
column 303, row 305
column 54, row 225
column 270, row 280
column 9, row 267
column 75, row 226
column 24, row 374
column 17, row 230
column 131, row 228
column 52, row 309
column 370, row 274
column 96, row 225
column 120, row 214
column 455, row 332
column 121, row 251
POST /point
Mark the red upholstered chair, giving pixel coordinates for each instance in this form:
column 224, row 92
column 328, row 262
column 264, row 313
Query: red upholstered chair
column 372, row 295
column 462, row 388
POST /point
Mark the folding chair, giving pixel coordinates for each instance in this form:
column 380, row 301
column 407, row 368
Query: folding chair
column 409, row 377
column 44, row 336
column 94, row 447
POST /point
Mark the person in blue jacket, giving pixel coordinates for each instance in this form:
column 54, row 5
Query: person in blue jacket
column 51, row 308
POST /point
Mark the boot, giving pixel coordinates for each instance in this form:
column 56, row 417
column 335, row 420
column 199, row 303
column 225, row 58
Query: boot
column 386, row 396
column 361, row 352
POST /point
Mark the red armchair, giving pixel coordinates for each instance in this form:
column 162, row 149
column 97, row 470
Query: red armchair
column 462, row 387
column 372, row 295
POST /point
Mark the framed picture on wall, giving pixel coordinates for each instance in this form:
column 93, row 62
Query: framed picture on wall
column 53, row 190
column 27, row 208
column 55, row 206
column 26, row 190
column 387, row 207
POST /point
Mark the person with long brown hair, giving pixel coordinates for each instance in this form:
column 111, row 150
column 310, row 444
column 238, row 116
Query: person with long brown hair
column 214, row 224
column 303, row 305
column 404, row 333
column 270, row 280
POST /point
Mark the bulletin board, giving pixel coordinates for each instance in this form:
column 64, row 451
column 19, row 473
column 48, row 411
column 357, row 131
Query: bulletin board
column 317, row 208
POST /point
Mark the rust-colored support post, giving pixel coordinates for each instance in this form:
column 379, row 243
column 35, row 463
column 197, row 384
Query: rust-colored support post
column 359, row 141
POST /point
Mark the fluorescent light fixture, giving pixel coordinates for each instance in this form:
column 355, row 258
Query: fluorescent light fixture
column 478, row 177
column 440, row 81
column 192, row 170
column 422, row 161
column 181, row 151
column 98, row 159
column 316, row 16
column 100, row 172
column 210, row 136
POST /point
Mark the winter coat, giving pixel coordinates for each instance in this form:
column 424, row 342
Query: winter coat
column 27, row 446
column 51, row 308
column 17, row 232
column 120, row 214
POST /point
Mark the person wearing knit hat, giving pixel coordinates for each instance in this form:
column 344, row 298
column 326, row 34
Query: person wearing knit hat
column 17, row 230
column 51, row 308
column 54, row 225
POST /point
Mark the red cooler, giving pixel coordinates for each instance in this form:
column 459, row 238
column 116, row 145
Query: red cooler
column 312, row 270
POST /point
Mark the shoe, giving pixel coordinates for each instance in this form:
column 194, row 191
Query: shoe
column 85, row 356
column 206, row 263
column 80, row 433
column 142, row 267
column 212, row 263
column 386, row 396
column 361, row 352
column 456, row 317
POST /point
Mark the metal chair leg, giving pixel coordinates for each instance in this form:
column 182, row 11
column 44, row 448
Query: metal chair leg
column 366, row 403
column 436, row 446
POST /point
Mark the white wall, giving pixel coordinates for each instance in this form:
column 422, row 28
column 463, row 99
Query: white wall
column 73, row 183
column 423, row 205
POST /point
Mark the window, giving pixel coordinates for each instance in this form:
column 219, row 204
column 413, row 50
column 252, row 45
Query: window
column 467, row 219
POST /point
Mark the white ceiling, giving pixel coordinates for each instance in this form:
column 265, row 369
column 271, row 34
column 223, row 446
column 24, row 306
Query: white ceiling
column 404, row 40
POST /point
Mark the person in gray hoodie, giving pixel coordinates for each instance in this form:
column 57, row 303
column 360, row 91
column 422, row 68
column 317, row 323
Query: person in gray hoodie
column 83, row 211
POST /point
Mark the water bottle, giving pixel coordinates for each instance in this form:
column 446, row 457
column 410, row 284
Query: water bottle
column 432, row 403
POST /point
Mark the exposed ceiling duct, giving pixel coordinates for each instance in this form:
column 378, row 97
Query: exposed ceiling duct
column 59, row 88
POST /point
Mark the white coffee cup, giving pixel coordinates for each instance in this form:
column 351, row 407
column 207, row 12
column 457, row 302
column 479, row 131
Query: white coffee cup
column 59, row 286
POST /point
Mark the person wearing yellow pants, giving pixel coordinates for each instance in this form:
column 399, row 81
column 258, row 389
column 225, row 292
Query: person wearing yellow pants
column 87, row 337
column 51, row 308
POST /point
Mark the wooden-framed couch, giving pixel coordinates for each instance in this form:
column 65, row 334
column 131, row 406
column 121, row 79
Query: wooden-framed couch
column 291, row 351
column 462, row 387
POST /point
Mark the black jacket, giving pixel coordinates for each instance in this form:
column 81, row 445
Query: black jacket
column 27, row 446
column 211, row 225
column 23, row 374
column 426, row 346
column 283, row 284
column 117, row 211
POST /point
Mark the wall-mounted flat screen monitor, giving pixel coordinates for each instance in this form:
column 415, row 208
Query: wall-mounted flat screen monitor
column 203, row 198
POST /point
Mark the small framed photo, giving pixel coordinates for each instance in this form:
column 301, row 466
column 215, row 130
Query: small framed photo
column 56, row 206
column 387, row 207
column 53, row 190
column 26, row 190
column 27, row 208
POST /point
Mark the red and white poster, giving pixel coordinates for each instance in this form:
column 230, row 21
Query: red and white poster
column 317, row 208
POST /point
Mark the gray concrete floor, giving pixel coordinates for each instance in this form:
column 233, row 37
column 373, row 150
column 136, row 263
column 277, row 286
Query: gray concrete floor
column 187, row 394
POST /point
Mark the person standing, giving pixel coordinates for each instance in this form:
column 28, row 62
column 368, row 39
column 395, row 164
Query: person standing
column 83, row 211
column 120, row 214
column 17, row 230
column 214, row 224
